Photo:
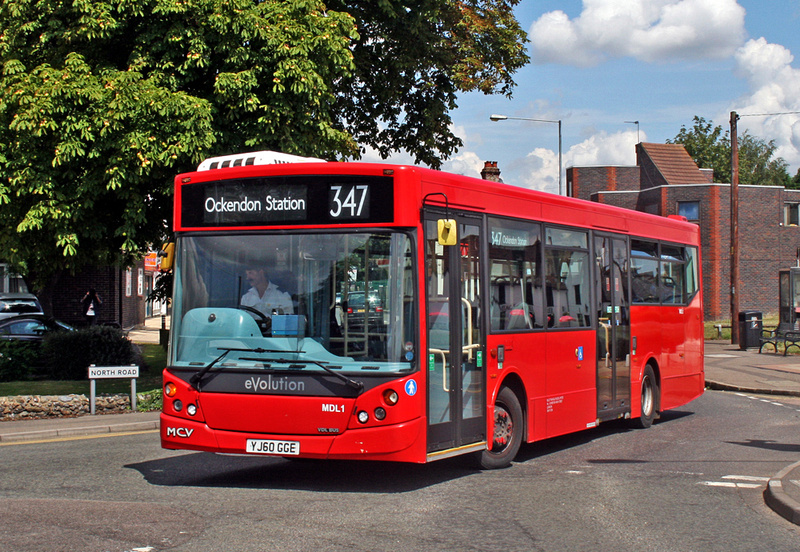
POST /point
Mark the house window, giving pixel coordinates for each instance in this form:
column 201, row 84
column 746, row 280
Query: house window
column 128, row 283
column 689, row 209
column 790, row 214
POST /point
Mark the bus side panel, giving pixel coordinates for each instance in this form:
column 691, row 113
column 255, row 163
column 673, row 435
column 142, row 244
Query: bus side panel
column 571, row 389
column 673, row 336
column 678, row 391
column 681, row 387
column 673, row 348
column 523, row 355
column 646, row 330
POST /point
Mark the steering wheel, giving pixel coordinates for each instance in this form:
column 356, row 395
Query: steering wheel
column 264, row 322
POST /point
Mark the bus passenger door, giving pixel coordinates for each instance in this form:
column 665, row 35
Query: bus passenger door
column 455, row 362
column 613, row 327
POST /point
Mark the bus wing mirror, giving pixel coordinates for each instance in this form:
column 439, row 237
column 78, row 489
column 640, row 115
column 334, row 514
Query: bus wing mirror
column 448, row 234
column 166, row 256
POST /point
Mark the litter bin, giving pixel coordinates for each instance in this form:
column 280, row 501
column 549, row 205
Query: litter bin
column 750, row 325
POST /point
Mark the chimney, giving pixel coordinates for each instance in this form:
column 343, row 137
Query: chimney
column 491, row 172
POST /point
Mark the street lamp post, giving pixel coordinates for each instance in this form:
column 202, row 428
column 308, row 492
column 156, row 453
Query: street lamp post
column 504, row 117
column 637, row 129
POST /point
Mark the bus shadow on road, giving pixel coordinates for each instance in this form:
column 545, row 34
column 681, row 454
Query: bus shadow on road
column 202, row 469
column 545, row 447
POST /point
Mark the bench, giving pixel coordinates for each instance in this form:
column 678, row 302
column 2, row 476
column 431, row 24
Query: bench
column 789, row 338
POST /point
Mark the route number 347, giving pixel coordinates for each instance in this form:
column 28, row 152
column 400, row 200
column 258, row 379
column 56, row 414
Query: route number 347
column 349, row 201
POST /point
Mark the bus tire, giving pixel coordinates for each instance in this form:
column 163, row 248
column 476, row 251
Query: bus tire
column 507, row 434
column 650, row 399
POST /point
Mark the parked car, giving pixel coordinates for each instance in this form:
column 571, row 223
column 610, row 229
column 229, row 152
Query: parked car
column 30, row 327
column 13, row 304
column 355, row 308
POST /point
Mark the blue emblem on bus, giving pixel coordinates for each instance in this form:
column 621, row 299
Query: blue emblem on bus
column 411, row 388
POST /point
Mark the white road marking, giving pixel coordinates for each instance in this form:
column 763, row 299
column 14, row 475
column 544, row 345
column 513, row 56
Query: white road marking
column 746, row 477
column 743, row 482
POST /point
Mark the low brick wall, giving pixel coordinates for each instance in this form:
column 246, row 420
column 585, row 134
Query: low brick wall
column 28, row 407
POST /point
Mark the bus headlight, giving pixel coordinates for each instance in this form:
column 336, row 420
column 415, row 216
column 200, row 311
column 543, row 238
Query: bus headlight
column 191, row 410
column 363, row 416
column 380, row 413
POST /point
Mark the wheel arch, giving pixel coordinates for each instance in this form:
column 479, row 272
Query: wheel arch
column 653, row 363
column 514, row 382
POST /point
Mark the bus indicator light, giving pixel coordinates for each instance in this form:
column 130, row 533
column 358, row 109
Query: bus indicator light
column 391, row 397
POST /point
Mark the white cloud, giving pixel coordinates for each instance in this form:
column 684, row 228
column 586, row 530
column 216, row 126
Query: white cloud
column 774, row 89
column 648, row 30
column 371, row 155
column 467, row 163
column 538, row 170
column 605, row 149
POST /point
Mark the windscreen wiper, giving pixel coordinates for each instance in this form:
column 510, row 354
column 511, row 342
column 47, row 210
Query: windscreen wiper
column 195, row 379
column 225, row 350
column 357, row 385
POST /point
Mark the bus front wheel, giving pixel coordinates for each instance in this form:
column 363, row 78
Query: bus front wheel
column 507, row 434
column 650, row 397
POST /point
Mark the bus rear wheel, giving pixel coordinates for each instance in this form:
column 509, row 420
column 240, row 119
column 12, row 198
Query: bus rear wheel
column 507, row 434
column 650, row 399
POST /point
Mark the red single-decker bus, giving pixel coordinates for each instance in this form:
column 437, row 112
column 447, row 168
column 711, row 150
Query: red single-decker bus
column 388, row 312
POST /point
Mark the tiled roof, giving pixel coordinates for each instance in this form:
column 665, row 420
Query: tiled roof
column 674, row 163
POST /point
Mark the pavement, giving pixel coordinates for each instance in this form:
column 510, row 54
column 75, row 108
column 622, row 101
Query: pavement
column 727, row 368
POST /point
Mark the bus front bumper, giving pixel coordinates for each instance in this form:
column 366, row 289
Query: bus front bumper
column 404, row 442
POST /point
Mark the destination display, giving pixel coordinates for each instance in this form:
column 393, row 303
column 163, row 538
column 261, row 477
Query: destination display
column 288, row 200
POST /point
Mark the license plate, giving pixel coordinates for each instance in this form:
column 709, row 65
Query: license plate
column 282, row 448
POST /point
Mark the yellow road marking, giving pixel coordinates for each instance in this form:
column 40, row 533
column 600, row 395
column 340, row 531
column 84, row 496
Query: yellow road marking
column 77, row 438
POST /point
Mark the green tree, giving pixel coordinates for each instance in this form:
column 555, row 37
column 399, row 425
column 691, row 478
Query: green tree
column 413, row 57
column 757, row 164
column 795, row 183
column 710, row 148
column 101, row 102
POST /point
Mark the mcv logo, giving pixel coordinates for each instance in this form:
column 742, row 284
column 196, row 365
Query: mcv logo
column 179, row 432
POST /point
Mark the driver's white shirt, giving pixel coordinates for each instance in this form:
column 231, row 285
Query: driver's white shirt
column 273, row 299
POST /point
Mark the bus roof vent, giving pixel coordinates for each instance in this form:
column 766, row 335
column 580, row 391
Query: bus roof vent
column 254, row 158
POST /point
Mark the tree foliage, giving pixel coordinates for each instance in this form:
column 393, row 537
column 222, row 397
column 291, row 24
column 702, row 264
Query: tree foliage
column 710, row 148
column 101, row 102
column 413, row 57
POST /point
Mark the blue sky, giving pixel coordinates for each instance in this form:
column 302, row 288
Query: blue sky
column 598, row 63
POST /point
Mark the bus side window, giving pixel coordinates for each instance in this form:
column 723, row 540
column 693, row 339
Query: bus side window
column 516, row 299
column 567, row 280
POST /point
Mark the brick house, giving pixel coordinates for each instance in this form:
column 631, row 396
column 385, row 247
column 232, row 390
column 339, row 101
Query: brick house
column 119, row 306
column 665, row 181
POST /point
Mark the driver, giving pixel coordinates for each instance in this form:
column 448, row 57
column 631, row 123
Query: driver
column 265, row 296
